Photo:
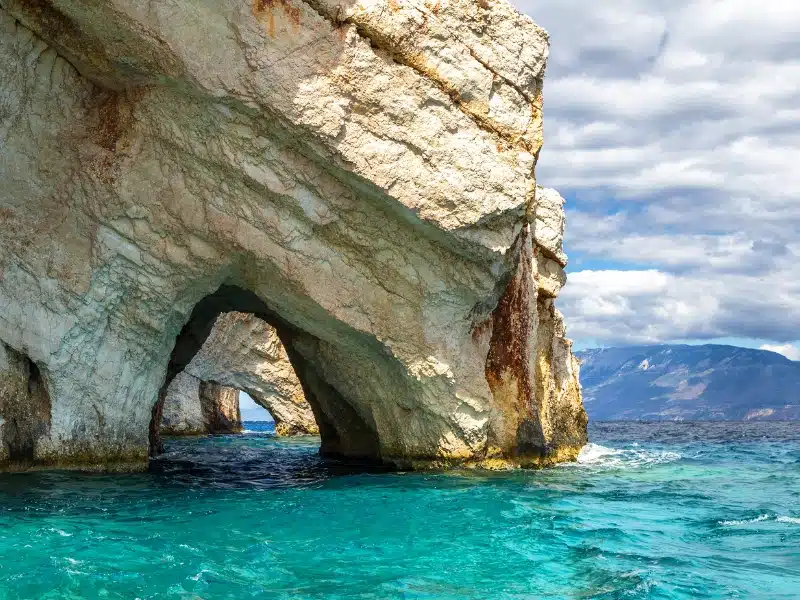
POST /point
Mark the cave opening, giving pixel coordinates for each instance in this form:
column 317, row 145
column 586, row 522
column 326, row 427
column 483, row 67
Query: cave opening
column 251, row 411
column 25, row 406
column 327, row 413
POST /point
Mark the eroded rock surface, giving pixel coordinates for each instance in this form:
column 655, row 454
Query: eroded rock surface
column 220, row 406
column 24, row 408
column 359, row 175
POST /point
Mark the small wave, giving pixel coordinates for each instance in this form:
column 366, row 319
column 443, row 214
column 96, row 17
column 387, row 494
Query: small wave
column 761, row 518
column 595, row 455
column 199, row 575
column 60, row 532
column 757, row 519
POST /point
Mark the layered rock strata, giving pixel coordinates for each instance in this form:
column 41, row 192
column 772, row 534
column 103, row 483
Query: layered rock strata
column 244, row 353
column 359, row 175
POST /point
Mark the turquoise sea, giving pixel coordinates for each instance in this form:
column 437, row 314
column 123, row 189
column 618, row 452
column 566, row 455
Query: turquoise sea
column 652, row 510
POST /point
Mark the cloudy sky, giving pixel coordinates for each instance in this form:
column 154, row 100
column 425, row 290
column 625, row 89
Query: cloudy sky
column 673, row 128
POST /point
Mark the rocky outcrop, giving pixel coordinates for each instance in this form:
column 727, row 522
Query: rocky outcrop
column 182, row 413
column 194, row 407
column 358, row 175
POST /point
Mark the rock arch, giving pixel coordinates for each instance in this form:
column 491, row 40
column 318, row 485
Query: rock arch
column 221, row 322
column 242, row 352
column 361, row 173
column 346, row 430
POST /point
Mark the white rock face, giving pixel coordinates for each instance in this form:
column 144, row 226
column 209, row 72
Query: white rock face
column 550, row 224
column 182, row 413
column 358, row 175
column 244, row 353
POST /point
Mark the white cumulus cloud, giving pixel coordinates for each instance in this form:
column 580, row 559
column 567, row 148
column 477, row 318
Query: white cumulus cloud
column 673, row 130
column 790, row 351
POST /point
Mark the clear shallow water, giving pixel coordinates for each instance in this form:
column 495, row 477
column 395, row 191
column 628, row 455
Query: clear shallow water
column 656, row 510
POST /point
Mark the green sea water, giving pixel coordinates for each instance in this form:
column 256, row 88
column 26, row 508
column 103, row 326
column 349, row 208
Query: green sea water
column 650, row 511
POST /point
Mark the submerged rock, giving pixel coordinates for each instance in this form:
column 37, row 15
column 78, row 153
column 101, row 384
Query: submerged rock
column 359, row 176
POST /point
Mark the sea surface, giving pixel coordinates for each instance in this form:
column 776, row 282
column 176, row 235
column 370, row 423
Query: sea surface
column 651, row 510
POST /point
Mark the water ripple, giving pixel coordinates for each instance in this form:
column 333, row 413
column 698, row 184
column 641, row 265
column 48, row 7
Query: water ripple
column 667, row 511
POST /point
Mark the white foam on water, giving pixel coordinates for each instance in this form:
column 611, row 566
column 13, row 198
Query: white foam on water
column 60, row 532
column 757, row 519
column 595, row 455
column 761, row 518
column 642, row 587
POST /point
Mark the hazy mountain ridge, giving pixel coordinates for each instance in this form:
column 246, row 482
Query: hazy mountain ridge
column 680, row 382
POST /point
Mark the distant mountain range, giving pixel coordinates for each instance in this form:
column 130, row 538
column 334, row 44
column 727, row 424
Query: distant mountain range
column 677, row 382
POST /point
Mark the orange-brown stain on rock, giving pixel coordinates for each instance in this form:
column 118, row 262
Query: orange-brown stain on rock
column 109, row 127
column 111, row 122
column 511, row 329
column 264, row 12
column 434, row 7
column 508, row 367
column 479, row 330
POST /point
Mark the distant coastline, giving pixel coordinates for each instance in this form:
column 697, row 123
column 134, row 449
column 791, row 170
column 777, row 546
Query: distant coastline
column 674, row 382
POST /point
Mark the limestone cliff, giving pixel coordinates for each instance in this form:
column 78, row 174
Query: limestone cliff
column 182, row 413
column 241, row 352
column 195, row 407
column 220, row 406
column 360, row 175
